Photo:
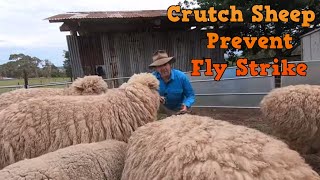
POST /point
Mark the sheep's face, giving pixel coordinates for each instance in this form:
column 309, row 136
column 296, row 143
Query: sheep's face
column 89, row 85
column 144, row 86
column 146, row 79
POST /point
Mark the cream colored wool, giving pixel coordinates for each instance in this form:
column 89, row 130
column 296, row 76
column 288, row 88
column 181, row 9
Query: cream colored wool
column 102, row 160
column 41, row 125
column 88, row 85
column 294, row 114
column 199, row 148
column 19, row 95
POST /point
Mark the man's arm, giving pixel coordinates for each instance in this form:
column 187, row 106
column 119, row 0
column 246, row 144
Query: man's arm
column 188, row 92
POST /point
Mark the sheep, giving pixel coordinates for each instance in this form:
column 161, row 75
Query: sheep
column 313, row 160
column 101, row 160
column 293, row 112
column 199, row 147
column 88, row 85
column 40, row 125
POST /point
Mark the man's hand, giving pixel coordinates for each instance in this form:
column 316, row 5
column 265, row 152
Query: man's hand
column 162, row 100
column 183, row 110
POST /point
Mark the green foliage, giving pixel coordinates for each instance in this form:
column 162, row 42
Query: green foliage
column 66, row 64
column 232, row 57
column 33, row 66
column 247, row 28
column 50, row 70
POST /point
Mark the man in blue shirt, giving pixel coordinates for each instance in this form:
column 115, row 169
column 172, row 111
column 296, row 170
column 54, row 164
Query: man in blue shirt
column 175, row 88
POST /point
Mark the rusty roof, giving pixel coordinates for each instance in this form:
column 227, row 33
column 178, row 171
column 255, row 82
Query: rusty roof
column 107, row 15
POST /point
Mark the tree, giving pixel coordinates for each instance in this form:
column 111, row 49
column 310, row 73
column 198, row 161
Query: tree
column 20, row 65
column 26, row 63
column 50, row 70
column 67, row 64
column 55, row 72
column 10, row 69
column 248, row 28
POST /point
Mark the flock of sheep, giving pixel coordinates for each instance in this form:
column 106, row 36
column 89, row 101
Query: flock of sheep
column 87, row 131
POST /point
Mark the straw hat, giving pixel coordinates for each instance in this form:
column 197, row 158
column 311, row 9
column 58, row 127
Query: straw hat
column 160, row 58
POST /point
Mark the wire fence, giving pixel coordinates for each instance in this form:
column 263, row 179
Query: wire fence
column 229, row 92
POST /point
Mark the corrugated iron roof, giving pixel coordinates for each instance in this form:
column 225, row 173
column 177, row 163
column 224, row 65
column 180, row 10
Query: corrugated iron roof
column 108, row 15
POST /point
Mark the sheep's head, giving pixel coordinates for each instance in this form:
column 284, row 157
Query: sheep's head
column 89, row 85
column 146, row 79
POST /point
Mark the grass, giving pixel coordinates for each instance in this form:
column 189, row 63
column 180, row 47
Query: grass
column 31, row 81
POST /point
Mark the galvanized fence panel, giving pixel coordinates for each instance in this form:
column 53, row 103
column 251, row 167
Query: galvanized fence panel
column 233, row 100
column 116, row 82
column 242, row 92
column 234, row 85
column 312, row 77
column 231, row 91
column 239, row 92
column 4, row 89
column 56, row 84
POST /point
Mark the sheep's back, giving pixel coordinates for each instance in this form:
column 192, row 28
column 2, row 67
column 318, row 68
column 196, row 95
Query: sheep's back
column 294, row 114
column 195, row 147
column 40, row 125
column 19, row 95
column 101, row 160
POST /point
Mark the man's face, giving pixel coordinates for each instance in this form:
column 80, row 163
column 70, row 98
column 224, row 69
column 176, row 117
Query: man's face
column 164, row 70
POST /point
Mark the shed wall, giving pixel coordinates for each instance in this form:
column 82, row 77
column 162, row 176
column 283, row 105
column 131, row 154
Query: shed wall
column 124, row 54
column 311, row 46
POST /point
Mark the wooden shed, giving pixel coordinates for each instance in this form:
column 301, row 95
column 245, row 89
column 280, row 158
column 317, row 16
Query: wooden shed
column 310, row 43
column 122, row 42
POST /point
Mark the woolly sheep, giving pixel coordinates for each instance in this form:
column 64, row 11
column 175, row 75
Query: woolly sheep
column 199, row 147
column 102, row 160
column 294, row 114
column 41, row 125
column 313, row 160
column 88, row 85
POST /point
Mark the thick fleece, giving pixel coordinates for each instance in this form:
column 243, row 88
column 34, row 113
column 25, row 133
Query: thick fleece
column 19, row 95
column 88, row 85
column 314, row 161
column 294, row 114
column 41, row 125
column 198, row 148
column 100, row 161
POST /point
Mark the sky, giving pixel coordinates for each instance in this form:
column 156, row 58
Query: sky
column 23, row 28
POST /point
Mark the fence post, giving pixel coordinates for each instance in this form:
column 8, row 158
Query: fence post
column 25, row 76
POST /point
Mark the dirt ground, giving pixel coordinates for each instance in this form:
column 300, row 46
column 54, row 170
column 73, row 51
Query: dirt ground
column 247, row 117
column 250, row 118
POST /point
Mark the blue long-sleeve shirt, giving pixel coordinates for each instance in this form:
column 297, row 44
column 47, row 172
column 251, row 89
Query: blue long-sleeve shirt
column 177, row 91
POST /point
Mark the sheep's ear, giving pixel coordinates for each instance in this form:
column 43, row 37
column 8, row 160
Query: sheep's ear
column 79, row 88
column 153, row 85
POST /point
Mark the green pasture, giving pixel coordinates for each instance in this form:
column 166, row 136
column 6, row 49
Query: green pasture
column 32, row 81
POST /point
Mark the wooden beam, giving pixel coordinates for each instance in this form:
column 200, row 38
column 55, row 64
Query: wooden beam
column 127, row 25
